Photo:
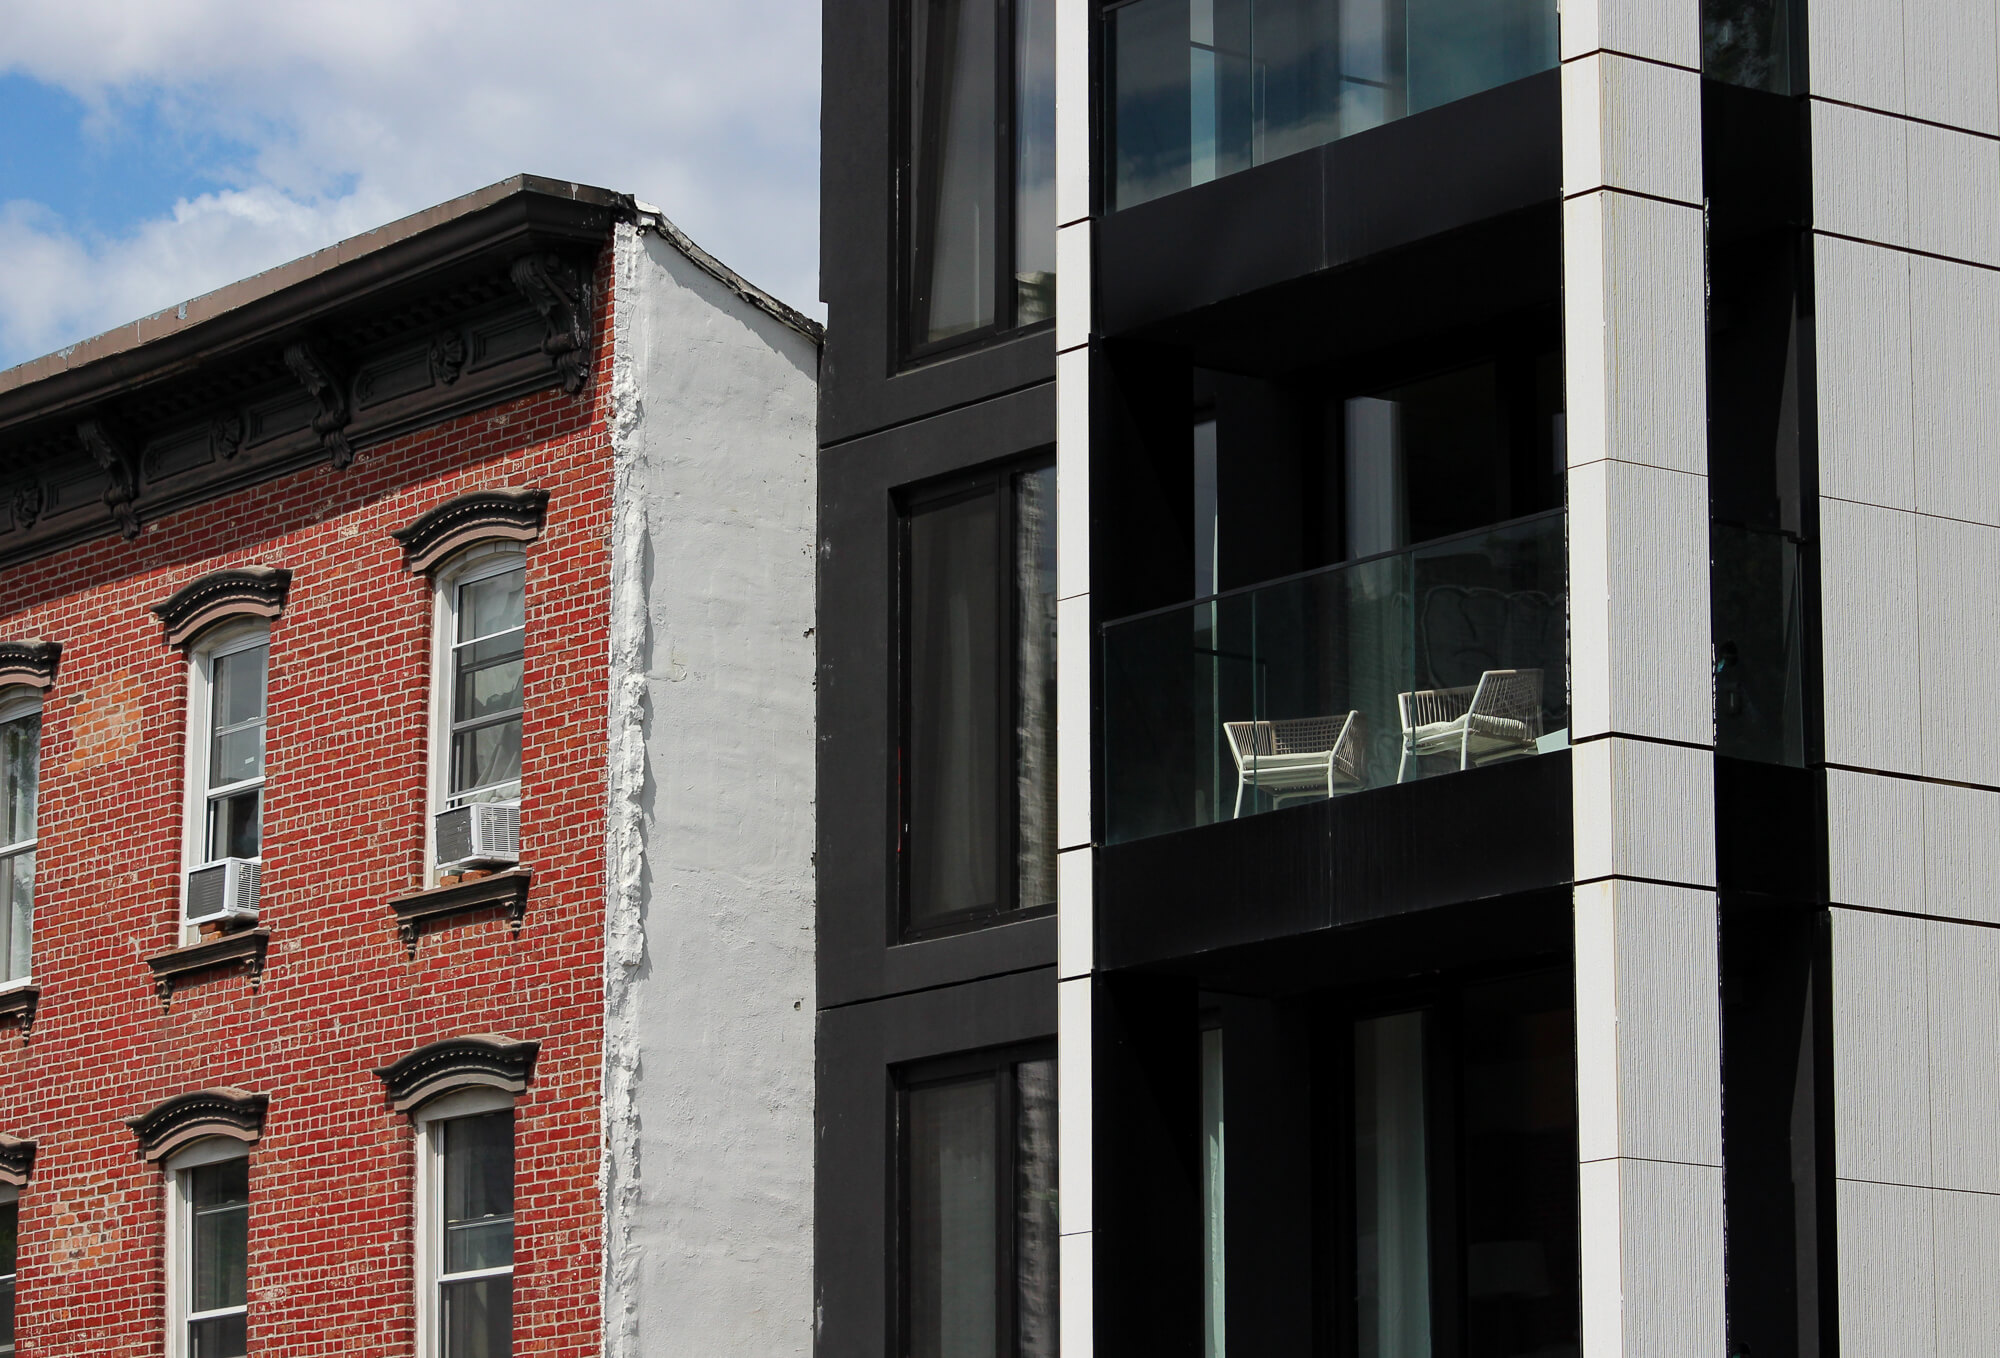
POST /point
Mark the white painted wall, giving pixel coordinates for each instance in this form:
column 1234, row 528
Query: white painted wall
column 1907, row 203
column 708, row 1145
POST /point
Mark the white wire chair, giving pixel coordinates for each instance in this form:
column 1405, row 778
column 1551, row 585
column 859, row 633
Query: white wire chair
column 1298, row 757
column 1499, row 716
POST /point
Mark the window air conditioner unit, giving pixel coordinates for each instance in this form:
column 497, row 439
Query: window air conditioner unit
column 483, row 832
column 223, row 890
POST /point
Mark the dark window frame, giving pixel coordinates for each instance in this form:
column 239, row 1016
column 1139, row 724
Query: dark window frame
column 997, row 1065
column 912, row 236
column 997, row 480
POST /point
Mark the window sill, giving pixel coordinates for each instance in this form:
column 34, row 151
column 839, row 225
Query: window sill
column 245, row 948
column 19, row 1000
column 506, row 890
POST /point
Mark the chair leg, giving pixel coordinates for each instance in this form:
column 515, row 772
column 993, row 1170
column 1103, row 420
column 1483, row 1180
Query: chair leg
column 1237, row 814
column 1403, row 764
column 1465, row 749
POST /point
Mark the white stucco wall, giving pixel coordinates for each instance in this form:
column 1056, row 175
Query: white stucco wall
column 708, row 1144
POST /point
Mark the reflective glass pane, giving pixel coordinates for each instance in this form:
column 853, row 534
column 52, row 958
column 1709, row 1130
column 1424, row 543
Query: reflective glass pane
column 20, row 759
column 486, row 685
column 9, row 1224
column 219, row 1197
column 954, row 113
column 236, row 825
column 1391, row 1189
column 493, row 604
column 478, row 1318
column 1748, row 42
column 17, row 913
column 479, row 1192
column 953, row 1287
column 237, row 687
column 1213, row 1312
column 1035, row 684
column 1034, row 160
column 220, row 1337
column 486, row 756
column 236, row 755
column 954, row 708
column 1035, row 1232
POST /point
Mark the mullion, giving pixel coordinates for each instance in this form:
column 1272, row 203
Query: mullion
column 1005, row 169
column 1007, row 768
column 1007, row 1269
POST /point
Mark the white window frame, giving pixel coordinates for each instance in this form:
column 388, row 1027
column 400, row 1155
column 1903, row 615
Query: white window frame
column 10, row 1196
column 201, row 687
column 14, row 706
column 478, row 562
column 428, row 1227
column 211, row 1150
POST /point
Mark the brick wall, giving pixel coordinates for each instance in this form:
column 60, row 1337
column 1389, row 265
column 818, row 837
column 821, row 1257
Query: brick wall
column 330, row 1267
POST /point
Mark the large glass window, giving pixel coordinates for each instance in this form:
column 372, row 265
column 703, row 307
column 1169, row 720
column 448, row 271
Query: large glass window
column 211, row 1274
column 977, row 773
column 1199, row 89
column 979, row 1211
column 473, row 1241
column 231, row 747
column 10, row 1221
column 20, row 767
column 979, row 218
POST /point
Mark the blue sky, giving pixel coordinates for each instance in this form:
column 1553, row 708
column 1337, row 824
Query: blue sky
column 151, row 150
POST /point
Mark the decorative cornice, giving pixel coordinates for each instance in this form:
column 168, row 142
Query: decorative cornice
column 506, row 890
column 166, row 1127
column 560, row 291
column 121, row 485
column 512, row 515
column 246, row 948
column 17, row 1161
column 29, row 662
column 476, row 1061
column 329, row 389
column 239, row 592
column 21, row 1001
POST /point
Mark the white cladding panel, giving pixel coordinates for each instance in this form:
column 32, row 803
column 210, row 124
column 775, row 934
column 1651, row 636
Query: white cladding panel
column 1073, row 642
column 1948, row 55
column 1658, row 30
column 1961, row 837
column 1861, row 173
column 1966, row 1254
column 1954, row 194
column 1964, row 976
column 1875, row 840
column 1955, row 401
column 1888, row 1306
column 1958, row 595
column 1862, row 334
column 1631, row 125
column 1869, row 637
column 1857, row 52
column 1643, row 809
column 1073, row 1098
column 1651, row 1240
column 1881, row 1048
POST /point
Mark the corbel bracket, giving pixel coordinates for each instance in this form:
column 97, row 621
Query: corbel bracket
column 561, row 293
column 121, row 489
column 325, row 384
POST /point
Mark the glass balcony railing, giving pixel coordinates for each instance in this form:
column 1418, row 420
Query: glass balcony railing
column 1403, row 666
column 1200, row 89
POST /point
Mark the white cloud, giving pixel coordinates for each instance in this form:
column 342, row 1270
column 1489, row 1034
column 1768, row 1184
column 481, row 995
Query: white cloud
column 360, row 112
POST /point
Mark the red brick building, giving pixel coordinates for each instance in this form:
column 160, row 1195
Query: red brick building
column 287, row 574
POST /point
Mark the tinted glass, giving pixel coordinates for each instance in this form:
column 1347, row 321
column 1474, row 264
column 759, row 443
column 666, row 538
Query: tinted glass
column 1035, row 684
column 219, row 1196
column 954, row 113
column 1391, row 1190
column 1035, row 1228
column 20, row 760
column 1748, row 42
column 1034, row 160
column 953, row 759
column 219, row 1337
column 1214, row 1312
column 492, row 605
column 952, row 1224
column 479, row 1192
column 478, row 1318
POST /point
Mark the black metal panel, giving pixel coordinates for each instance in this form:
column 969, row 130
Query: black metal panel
column 856, row 692
column 859, row 1047
column 1419, row 177
column 1470, row 836
column 863, row 384
column 1770, row 830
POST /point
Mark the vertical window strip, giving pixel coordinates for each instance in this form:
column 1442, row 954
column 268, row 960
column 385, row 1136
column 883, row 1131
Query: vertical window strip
column 233, row 777
column 472, row 1242
column 20, row 761
column 10, row 1221
column 488, row 650
column 214, row 1247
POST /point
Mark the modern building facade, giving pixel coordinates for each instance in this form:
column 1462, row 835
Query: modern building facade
column 407, row 676
column 1498, row 863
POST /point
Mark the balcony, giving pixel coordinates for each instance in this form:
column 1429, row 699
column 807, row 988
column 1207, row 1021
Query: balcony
column 1201, row 89
column 1407, row 665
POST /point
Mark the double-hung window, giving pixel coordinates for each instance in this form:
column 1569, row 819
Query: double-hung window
column 465, row 1224
column 482, row 630
column 10, row 1223
column 20, row 764
column 208, row 1200
column 976, row 776
column 977, row 1142
column 226, row 713
column 979, row 212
